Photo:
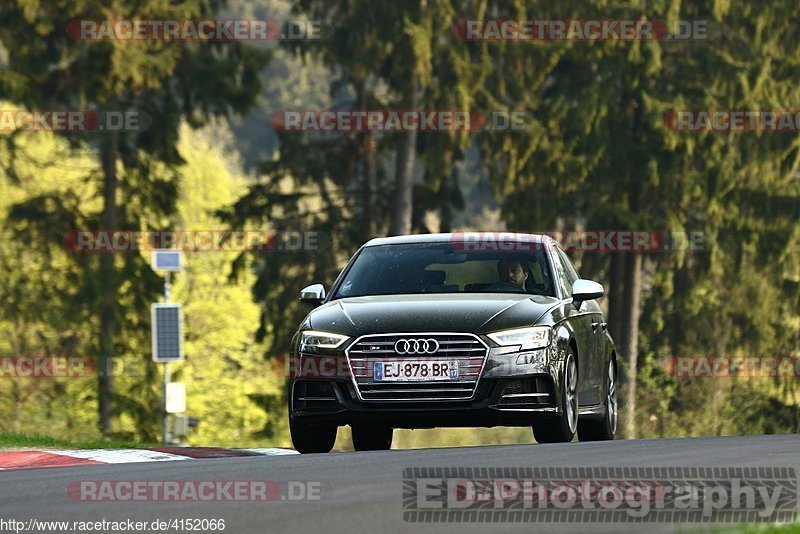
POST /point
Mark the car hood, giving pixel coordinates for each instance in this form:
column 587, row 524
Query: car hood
column 476, row 313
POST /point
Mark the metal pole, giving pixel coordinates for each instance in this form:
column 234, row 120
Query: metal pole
column 165, row 434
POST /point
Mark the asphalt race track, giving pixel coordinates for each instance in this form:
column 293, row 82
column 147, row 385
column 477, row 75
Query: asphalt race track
column 363, row 492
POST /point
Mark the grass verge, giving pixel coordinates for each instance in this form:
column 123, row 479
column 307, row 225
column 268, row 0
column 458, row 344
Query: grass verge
column 9, row 440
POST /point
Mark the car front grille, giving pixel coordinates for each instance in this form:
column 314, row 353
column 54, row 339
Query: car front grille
column 467, row 349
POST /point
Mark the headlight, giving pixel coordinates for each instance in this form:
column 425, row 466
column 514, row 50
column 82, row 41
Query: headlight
column 313, row 339
column 535, row 337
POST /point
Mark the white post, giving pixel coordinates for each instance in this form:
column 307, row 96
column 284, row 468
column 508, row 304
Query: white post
column 165, row 434
column 166, row 260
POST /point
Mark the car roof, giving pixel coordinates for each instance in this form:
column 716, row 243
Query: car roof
column 458, row 237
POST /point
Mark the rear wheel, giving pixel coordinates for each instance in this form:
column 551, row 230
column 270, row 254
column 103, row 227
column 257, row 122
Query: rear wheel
column 562, row 428
column 372, row 438
column 309, row 439
column 606, row 428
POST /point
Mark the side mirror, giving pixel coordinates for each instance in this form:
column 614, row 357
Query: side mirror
column 313, row 294
column 586, row 290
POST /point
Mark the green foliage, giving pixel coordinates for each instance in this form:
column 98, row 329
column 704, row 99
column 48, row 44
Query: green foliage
column 167, row 81
column 227, row 379
column 42, row 312
column 599, row 155
column 595, row 153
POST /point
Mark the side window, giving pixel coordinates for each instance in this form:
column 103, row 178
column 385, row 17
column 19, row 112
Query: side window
column 561, row 274
column 572, row 274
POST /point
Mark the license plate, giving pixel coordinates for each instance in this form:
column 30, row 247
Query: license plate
column 415, row 370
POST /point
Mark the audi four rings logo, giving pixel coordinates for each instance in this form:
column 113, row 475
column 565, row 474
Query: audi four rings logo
column 416, row 346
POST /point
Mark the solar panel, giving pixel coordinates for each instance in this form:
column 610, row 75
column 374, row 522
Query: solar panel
column 166, row 260
column 167, row 332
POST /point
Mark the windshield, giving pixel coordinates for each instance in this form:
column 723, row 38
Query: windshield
column 445, row 268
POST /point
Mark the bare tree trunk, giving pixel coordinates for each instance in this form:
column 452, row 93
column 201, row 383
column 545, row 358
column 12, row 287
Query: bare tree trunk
column 369, row 183
column 368, row 167
column 446, row 191
column 630, row 334
column 404, row 173
column 19, row 403
column 108, row 279
column 615, row 297
column 632, row 291
column 680, row 286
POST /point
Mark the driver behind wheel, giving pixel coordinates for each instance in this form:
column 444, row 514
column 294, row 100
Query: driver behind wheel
column 512, row 270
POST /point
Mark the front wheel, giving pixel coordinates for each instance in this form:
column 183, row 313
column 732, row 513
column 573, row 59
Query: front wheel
column 561, row 429
column 308, row 439
column 372, row 438
column 606, row 428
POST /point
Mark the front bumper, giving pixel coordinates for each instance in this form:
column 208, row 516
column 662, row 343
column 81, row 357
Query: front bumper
column 518, row 401
column 510, row 390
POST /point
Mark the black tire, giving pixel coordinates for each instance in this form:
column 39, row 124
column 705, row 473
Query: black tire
column 606, row 428
column 561, row 429
column 372, row 438
column 309, row 439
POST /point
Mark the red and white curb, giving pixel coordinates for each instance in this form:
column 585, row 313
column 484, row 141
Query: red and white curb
column 67, row 458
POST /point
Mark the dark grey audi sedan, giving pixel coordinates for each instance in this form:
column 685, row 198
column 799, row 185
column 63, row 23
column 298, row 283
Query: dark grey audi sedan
column 453, row 330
